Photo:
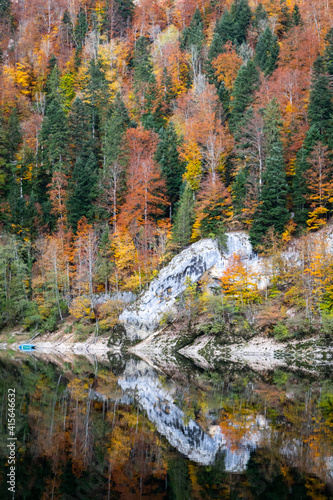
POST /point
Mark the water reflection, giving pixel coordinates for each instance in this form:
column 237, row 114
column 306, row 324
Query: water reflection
column 121, row 428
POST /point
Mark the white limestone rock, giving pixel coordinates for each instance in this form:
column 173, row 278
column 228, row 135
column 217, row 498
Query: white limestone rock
column 143, row 318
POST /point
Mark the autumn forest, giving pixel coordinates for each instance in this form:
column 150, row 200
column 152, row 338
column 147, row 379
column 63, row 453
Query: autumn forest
column 129, row 130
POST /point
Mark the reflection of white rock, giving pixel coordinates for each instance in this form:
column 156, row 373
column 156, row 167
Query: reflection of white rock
column 188, row 438
column 192, row 262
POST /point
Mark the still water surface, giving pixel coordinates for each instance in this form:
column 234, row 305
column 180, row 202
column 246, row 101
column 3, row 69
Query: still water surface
column 124, row 428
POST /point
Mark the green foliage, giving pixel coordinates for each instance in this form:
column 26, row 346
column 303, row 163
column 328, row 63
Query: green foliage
column 267, row 52
column 320, row 113
column 67, row 28
column 14, row 282
column 272, row 211
column 81, row 28
column 171, row 165
column 280, row 378
column 193, row 36
column 142, row 64
column 281, row 332
column 184, row 219
column 83, row 187
column 246, row 83
column 296, row 16
column 231, row 27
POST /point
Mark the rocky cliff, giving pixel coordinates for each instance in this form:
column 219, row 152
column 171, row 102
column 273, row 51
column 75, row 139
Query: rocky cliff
column 143, row 318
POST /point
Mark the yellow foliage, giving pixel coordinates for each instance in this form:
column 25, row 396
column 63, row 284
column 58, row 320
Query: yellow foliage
column 193, row 157
column 317, row 218
column 239, row 283
column 81, row 308
column 109, row 313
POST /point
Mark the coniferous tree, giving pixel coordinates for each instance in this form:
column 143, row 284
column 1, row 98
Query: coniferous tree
column 193, row 35
column 54, row 132
column 267, row 52
column 118, row 17
column 67, row 28
column 272, row 211
column 81, row 28
column 320, row 113
column 260, row 18
column 83, row 187
column 115, row 128
column 296, row 16
column 96, row 95
column 320, row 105
column 112, row 178
column 246, row 83
column 84, row 179
column 142, row 63
column 171, row 165
column 231, row 27
column 328, row 54
column 14, row 134
column 184, row 219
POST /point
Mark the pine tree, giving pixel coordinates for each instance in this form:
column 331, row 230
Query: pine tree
column 112, row 178
column 231, row 27
column 193, row 35
column 296, row 16
column 96, row 95
column 260, row 18
column 14, row 134
column 272, row 211
column 320, row 108
column 67, row 28
column 118, row 17
column 83, row 187
column 115, row 128
column 81, row 28
column 246, row 83
column 171, row 165
column 54, row 132
column 267, row 52
column 84, row 180
column 184, row 219
column 320, row 113
column 143, row 66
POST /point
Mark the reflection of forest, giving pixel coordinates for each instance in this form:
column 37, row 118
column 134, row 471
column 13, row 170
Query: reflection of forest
column 124, row 430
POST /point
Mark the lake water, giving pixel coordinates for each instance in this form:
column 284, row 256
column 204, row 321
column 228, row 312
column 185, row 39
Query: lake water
column 124, row 428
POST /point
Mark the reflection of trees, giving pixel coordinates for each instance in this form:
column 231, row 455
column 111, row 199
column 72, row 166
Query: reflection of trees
column 80, row 434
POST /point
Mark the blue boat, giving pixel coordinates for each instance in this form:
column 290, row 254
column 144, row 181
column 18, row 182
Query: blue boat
column 27, row 347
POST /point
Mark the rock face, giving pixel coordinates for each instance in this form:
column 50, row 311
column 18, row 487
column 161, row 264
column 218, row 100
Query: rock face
column 143, row 318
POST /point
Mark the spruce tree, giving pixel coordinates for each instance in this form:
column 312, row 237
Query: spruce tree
column 83, row 187
column 320, row 108
column 328, row 54
column 296, row 16
column 96, row 95
column 246, row 83
column 143, row 67
column 83, row 192
column 267, row 52
column 115, row 128
column 320, row 114
column 193, row 35
column 81, row 28
column 184, row 219
column 272, row 211
column 67, row 28
column 231, row 27
column 260, row 18
column 14, row 134
column 172, row 167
